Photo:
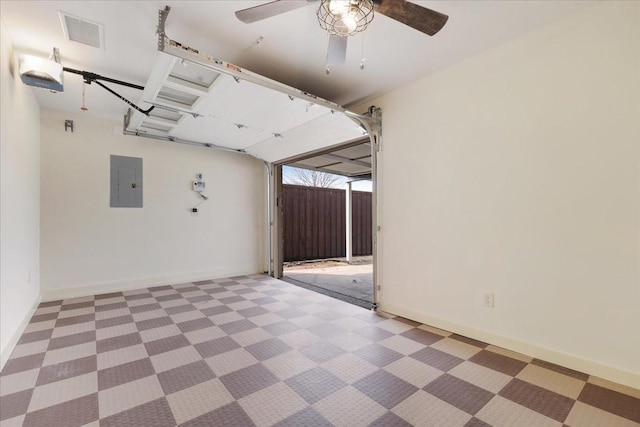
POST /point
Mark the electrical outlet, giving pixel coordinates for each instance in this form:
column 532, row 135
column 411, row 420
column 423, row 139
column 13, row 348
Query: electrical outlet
column 488, row 299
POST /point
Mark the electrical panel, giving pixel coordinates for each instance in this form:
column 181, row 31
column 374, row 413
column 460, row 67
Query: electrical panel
column 126, row 182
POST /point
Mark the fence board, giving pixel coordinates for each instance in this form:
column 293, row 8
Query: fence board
column 314, row 223
column 361, row 235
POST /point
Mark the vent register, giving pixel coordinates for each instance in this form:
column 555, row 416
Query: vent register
column 82, row 30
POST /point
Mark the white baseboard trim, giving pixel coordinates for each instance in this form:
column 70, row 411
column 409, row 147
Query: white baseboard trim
column 597, row 369
column 15, row 337
column 127, row 285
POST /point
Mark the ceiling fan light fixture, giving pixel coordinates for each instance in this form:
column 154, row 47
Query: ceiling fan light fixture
column 349, row 23
column 345, row 17
column 339, row 7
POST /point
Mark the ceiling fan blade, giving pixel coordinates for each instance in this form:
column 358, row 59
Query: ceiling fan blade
column 267, row 10
column 337, row 53
column 422, row 19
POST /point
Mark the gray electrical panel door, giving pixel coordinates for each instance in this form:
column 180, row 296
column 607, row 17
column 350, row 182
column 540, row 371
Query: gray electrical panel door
column 126, row 182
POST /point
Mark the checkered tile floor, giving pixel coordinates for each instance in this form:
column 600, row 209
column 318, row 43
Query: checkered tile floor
column 253, row 350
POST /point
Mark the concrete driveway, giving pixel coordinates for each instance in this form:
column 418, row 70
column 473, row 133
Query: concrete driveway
column 336, row 278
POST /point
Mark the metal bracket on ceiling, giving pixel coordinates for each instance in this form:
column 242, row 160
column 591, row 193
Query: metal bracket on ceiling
column 162, row 17
column 371, row 122
column 375, row 112
column 55, row 55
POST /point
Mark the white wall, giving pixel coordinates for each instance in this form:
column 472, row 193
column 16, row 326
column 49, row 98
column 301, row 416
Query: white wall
column 517, row 172
column 88, row 247
column 19, row 200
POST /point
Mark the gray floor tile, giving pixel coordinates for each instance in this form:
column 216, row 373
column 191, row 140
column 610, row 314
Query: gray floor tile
column 385, row 388
column 117, row 342
column 267, row 349
column 237, row 326
column 15, row 404
column 248, row 380
column 378, row 355
column 498, row 362
column 281, row 328
column 390, row 420
column 77, row 412
column 216, row 346
column 61, row 371
column 459, row 393
column 321, row 351
column 306, row 417
column 195, row 324
column 166, row 344
column 422, row 336
column 24, row 363
column 156, row 322
column 436, row 358
column 156, row 413
column 127, row 372
column 611, row 401
column 227, row 416
column 177, row 379
column 315, row 384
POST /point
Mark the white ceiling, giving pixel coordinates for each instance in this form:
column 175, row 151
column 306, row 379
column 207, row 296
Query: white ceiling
column 292, row 50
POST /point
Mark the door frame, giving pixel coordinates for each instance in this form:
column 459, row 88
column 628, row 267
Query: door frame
column 372, row 123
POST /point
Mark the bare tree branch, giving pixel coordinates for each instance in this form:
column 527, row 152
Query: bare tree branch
column 313, row 178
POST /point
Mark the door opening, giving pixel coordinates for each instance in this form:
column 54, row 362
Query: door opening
column 324, row 222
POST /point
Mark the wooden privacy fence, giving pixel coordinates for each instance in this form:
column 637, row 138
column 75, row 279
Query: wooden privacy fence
column 314, row 221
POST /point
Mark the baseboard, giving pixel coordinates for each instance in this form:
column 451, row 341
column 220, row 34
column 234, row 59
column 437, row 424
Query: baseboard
column 127, row 285
column 597, row 369
column 15, row 337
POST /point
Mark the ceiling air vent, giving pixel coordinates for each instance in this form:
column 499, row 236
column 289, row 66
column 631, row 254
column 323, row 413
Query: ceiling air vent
column 82, row 31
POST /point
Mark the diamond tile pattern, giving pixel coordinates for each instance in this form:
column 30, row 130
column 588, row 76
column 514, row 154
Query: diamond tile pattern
column 256, row 351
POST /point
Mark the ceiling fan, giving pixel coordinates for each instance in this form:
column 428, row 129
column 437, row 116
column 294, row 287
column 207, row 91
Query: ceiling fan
column 343, row 18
